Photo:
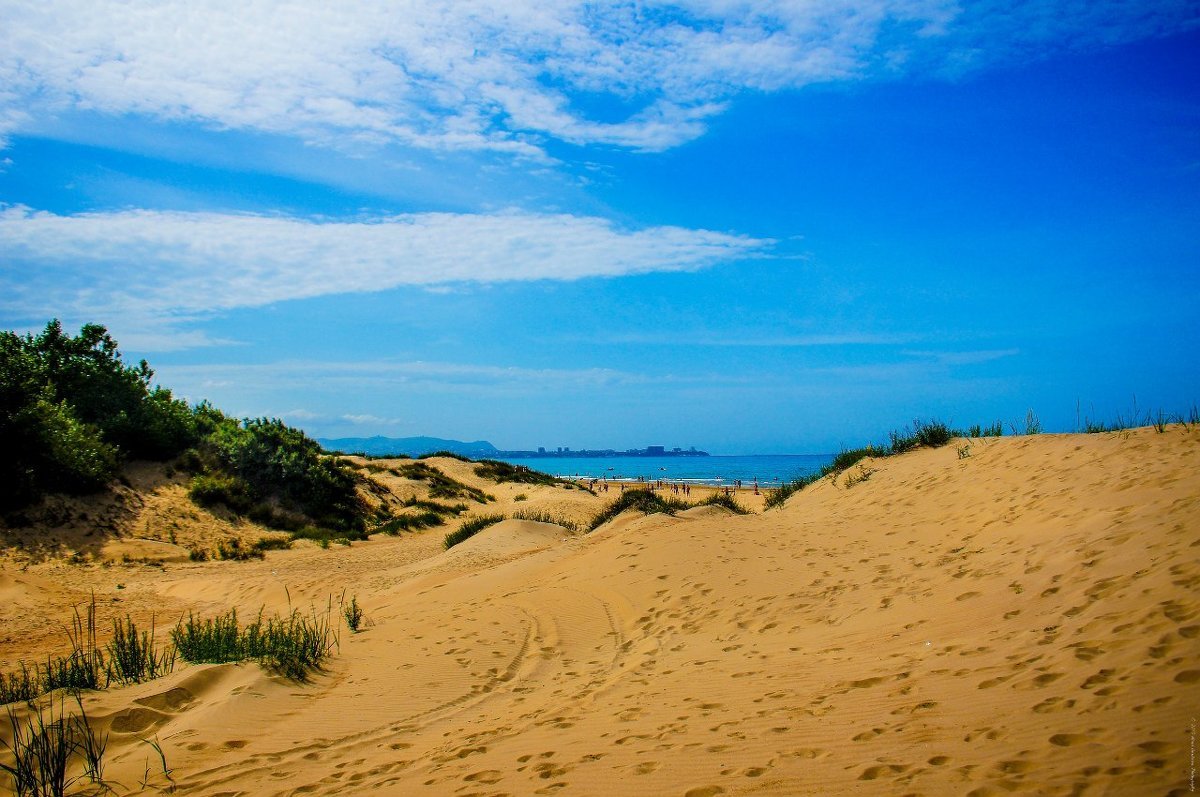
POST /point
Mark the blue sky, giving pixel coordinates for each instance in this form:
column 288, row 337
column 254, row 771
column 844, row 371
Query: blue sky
column 767, row 227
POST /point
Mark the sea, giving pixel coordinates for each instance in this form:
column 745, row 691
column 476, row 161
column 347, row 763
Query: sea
column 770, row 470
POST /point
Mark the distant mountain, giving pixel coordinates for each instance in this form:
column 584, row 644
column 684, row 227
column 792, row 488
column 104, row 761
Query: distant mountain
column 408, row 446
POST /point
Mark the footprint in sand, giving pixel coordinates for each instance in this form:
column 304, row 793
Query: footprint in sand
column 704, row 791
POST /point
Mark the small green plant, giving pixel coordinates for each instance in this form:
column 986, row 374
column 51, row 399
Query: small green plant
column 470, row 528
column 963, row 450
column 520, row 497
column 1032, row 424
column 1160, row 421
column 162, row 758
column 353, row 614
column 859, row 476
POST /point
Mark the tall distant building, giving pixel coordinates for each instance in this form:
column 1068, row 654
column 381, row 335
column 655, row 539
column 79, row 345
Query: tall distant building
column 656, row 451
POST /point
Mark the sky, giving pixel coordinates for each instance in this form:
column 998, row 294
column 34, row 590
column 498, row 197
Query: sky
column 769, row 227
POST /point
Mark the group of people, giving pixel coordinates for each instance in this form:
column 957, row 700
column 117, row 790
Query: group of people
column 684, row 489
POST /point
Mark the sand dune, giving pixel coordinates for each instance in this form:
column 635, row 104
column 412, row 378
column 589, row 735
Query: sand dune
column 1020, row 620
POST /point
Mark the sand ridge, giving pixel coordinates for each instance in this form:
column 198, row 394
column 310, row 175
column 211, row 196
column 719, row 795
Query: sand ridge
column 1021, row 619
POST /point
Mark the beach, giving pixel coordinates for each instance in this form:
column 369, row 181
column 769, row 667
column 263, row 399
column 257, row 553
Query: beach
column 998, row 615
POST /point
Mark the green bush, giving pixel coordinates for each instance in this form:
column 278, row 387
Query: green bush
column 73, row 410
column 216, row 489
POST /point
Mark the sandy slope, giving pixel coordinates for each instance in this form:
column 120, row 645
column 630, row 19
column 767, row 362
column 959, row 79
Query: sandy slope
column 1024, row 619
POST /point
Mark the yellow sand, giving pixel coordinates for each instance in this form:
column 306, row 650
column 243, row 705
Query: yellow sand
column 1021, row 620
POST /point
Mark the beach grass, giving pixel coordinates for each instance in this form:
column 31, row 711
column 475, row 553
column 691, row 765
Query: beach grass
column 723, row 500
column 643, row 500
column 470, row 528
column 416, row 522
column 441, row 485
column 133, row 657
column 292, row 645
column 543, row 516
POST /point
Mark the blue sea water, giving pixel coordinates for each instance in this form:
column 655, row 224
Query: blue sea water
column 769, row 469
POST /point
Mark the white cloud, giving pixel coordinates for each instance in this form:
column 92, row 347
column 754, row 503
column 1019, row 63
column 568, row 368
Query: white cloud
column 166, row 268
column 503, row 76
column 400, row 377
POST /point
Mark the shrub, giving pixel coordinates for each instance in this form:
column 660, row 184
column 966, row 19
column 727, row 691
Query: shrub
column 215, row 489
column 933, row 434
column 353, row 614
column 470, row 528
column 73, row 410
column 283, row 464
column 233, row 549
column 447, row 455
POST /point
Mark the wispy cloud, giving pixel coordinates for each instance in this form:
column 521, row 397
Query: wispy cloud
column 383, row 375
column 506, row 77
column 734, row 338
column 166, row 268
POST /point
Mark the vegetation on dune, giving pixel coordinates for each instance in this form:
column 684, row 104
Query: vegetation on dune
column 275, row 474
column 649, row 502
column 723, row 500
column 292, row 645
column 470, row 528
column 542, row 516
column 130, row 657
column 502, row 472
column 929, row 434
column 44, row 747
column 445, row 455
column 441, row 485
column 643, row 500
column 74, row 412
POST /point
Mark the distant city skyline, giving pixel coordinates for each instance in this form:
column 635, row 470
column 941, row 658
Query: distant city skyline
column 763, row 228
